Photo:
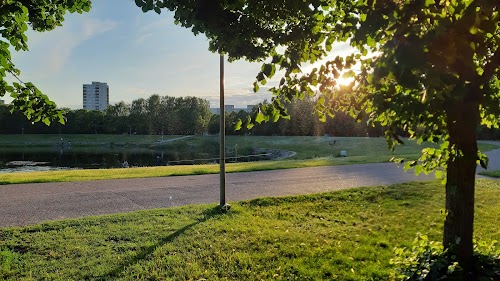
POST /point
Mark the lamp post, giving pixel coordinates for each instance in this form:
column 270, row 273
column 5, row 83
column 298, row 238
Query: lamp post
column 222, row 147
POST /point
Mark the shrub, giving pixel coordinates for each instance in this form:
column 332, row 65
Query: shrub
column 429, row 261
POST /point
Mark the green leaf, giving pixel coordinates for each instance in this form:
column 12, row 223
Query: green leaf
column 260, row 76
column 249, row 122
column 371, row 42
column 268, row 69
column 255, row 87
column 418, row 169
column 139, row 3
column 429, row 2
column 260, row 117
column 238, row 124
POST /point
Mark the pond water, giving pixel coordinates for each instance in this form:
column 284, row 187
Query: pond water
column 24, row 159
column 41, row 159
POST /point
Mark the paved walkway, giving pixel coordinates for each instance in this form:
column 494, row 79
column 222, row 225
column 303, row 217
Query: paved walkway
column 25, row 204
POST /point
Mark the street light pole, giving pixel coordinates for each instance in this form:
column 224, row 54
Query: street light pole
column 222, row 147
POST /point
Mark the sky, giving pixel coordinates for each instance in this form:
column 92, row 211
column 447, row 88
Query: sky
column 138, row 54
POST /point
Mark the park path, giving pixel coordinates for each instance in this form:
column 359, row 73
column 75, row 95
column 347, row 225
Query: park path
column 25, row 204
column 174, row 139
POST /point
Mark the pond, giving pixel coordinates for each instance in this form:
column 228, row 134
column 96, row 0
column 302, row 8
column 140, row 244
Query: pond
column 67, row 157
column 29, row 158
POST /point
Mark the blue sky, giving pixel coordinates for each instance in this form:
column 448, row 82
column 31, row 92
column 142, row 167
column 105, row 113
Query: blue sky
column 138, row 54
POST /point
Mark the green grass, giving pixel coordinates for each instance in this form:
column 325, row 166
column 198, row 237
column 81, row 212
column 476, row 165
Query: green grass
column 165, row 171
column 306, row 147
column 493, row 174
column 82, row 140
column 346, row 235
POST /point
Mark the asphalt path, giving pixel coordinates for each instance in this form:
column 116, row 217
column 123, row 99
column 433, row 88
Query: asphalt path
column 25, row 204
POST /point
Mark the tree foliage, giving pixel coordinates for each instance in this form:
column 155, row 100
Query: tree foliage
column 427, row 67
column 16, row 16
column 155, row 115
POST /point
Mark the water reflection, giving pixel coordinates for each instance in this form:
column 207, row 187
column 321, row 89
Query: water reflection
column 67, row 157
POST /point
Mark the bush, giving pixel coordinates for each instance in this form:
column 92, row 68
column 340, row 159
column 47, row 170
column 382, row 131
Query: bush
column 429, row 261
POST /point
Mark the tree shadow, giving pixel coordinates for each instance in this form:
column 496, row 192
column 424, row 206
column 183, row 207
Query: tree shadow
column 145, row 253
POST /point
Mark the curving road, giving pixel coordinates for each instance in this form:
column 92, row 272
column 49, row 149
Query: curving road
column 25, row 204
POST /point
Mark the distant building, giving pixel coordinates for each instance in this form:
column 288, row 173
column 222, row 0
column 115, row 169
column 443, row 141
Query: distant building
column 230, row 108
column 95, row 96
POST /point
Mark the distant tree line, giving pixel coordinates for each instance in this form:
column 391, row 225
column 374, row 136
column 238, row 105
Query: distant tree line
column 303, row 122
column 155, row 115
column 167, row 115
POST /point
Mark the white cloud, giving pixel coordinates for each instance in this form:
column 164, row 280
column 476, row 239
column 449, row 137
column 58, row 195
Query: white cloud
column 142, row 38
column 63, row 41
column 92, row 27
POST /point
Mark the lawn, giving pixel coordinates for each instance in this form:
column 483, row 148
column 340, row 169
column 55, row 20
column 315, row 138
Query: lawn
column 344, row 235
column 44, row 140
column 306, row 147
column 166, row 171
column 493, row 174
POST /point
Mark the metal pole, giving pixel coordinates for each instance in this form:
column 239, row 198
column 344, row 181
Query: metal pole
column 222, row 133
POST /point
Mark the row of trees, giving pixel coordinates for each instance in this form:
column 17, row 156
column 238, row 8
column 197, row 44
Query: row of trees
column 154, row 115
column 303, row 122
column 191, row 116
column 185, row 116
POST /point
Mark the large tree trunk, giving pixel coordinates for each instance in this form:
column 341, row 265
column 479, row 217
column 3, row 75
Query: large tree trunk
column 463, row 120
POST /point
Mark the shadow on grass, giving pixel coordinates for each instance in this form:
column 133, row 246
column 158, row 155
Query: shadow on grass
column 411, row 191
column 145, row 253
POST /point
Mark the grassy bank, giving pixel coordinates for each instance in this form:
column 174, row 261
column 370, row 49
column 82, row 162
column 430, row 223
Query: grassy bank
column 46, row 140
column 493, row 174
column 346, row 235
column 306, row 147
column 165, row 171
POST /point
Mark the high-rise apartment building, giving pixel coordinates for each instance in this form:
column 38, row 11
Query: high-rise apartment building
column 95, row 96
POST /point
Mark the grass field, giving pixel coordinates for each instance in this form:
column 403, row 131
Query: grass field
column 165, row 171
column 346, row 235
column 83, row 140
column 493, row 174
column 306, row 147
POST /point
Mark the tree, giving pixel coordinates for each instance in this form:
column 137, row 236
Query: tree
column 193, row 115
column 121, row 109
column 40, row 15
column 153, row 108
column 214, row 124
column 427, row 67
column 138, row 118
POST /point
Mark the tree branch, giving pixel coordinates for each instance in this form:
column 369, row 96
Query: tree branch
column 491, row 67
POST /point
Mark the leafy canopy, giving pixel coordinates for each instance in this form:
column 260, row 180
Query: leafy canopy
column 415, row 59
column 15, row 18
